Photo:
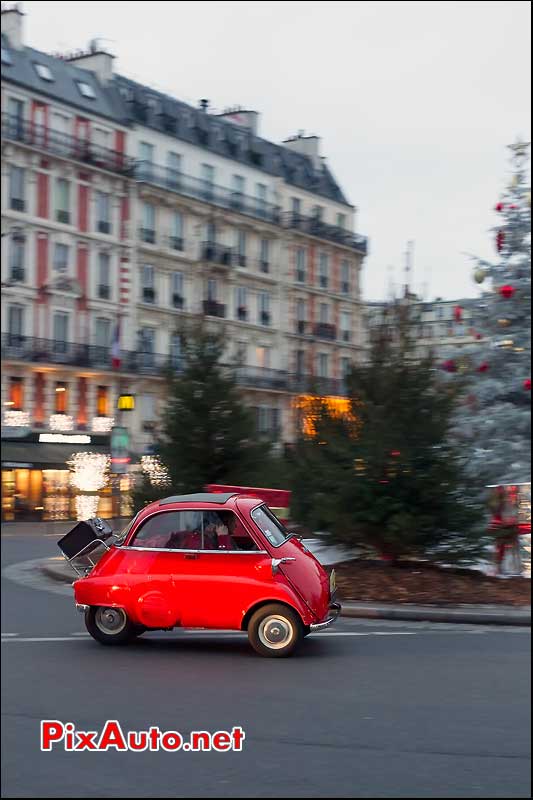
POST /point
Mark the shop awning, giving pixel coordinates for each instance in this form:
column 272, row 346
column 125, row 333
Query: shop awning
column 44, row 455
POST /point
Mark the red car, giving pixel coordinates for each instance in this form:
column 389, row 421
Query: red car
column 217, row 561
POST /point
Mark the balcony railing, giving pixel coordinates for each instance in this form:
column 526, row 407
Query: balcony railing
column 64, row 145
column 214, row 309
column 217, row 254
column 200, row 189
column 48, row 351
column 316, row 227
column 324, row 330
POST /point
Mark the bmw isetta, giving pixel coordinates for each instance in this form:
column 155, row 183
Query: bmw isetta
column 212, row 561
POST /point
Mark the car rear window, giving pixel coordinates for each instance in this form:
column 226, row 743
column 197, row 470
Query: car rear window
column 270, row 525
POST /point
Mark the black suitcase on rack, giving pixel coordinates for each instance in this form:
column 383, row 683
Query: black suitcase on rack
column 84, row 537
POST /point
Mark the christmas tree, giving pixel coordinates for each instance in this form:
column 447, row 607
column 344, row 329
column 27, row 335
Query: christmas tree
column 494, row 424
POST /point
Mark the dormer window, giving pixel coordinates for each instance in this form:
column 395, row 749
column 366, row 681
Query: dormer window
column 86, row 90
column 6, row 57
column 44, row 72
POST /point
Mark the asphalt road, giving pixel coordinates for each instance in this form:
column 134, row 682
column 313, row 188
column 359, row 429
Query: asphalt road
column 366, row 710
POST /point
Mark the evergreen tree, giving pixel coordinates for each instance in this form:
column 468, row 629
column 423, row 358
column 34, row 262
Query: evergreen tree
column 207, row 434
column 494, row 423
column 384, row 473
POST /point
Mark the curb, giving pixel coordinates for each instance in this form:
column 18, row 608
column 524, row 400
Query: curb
column 470, row 615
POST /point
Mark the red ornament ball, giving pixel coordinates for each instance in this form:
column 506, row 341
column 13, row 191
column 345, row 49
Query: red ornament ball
column 479, row 336
column 449, row 366
column 499, row 206
column 484, row 367
column 507, row 291
column 458, row 313
column 500, row 241
column 527, row 384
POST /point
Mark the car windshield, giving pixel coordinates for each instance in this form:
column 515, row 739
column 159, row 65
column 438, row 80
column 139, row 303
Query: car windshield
column 270, row 525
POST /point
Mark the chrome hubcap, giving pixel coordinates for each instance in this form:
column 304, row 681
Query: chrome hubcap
column 275, row 632
column 110, row 620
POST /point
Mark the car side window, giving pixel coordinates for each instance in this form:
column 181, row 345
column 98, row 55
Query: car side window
column 174, row 530
column 223, row 530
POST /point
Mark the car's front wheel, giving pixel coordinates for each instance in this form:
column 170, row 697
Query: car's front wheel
column 109, row 625
column 275, row 631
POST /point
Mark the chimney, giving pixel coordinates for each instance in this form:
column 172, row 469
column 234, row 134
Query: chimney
column 96, row 60
column 12, row 25
column 242, row 118
column 204, row 105
column 306, row 146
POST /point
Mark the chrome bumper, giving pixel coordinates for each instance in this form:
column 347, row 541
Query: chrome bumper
column 335, row 608
column 81, row 608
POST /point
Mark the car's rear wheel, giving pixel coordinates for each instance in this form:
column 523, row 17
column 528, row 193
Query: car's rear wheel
column 109, row 625
column 275, row 631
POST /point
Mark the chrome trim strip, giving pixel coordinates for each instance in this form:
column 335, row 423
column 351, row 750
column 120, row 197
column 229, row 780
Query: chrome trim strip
column 81, row 608
column 177, row 550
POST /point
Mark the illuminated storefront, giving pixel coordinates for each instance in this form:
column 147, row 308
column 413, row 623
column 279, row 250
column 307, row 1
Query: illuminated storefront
column 37, row 481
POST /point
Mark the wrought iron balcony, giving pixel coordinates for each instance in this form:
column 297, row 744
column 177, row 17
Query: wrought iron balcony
column 316, row 227
column 261, row 378
column 324, row 330
column 199, row 189
column 214, row 309
column 217, row 254
column 64, row 145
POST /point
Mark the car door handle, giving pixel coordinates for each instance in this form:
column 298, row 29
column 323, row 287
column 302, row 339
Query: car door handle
column 191, row 556
column 277, row 562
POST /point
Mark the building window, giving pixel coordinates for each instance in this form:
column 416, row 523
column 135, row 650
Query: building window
column 176, row 237
column 61, row 398
column 346, row 326
column 324, row 270
column 264, row 308
column 346, row 367
column 241, row 353
column 63, row 201
column 300, row 362
column 15, row 324
column 44, row 72
column 318, row 212
column 148, row 284
column 17, row 180
column 301, row 316
column 148, row 408
column 104, row 276
column 341, row 221
column 301, row 265
column 324, row 314
column 296, row 206
column 241, row 248
column 212, row 290
column 241, row 303
column 103, row 337
column 178, row 299
column 173, row 169
column 60, row 332
column 148, row 223
column 211, row 233
column 238, row 189
column 264, row 255
column 176, row 351
column 261, row 195
column 102, row 401
column 101, row 138
column 16, row 258
column 61, row 258
column 15, row 117
column 103, row 212
column 263, row 357
column 345, row 278
column 323, row 365
column 208, row 181
column 16, row 394
column 86, row 90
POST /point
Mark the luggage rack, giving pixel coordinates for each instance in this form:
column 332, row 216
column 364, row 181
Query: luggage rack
column 82, row 541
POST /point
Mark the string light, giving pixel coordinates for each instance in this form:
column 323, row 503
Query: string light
column 102, row 424
column 16, row 419
column 89, row 471
column 156, row 471
column 61, row 422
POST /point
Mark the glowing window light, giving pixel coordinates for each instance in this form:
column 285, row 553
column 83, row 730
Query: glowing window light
column 310, row 407
column 61, row 422
column 16, row 419
column 86, row 506
column 156, row 471
column 89, row 471
column 102, row 424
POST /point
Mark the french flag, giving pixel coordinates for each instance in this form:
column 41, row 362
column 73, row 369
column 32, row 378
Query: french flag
column 115, row 347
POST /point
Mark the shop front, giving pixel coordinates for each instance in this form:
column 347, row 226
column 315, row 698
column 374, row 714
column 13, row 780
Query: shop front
column 37, row 481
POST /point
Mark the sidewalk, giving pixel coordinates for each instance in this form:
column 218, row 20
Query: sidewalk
column 57, row 569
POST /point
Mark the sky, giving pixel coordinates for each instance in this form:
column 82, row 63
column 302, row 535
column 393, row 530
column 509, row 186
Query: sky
column 414, row 102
